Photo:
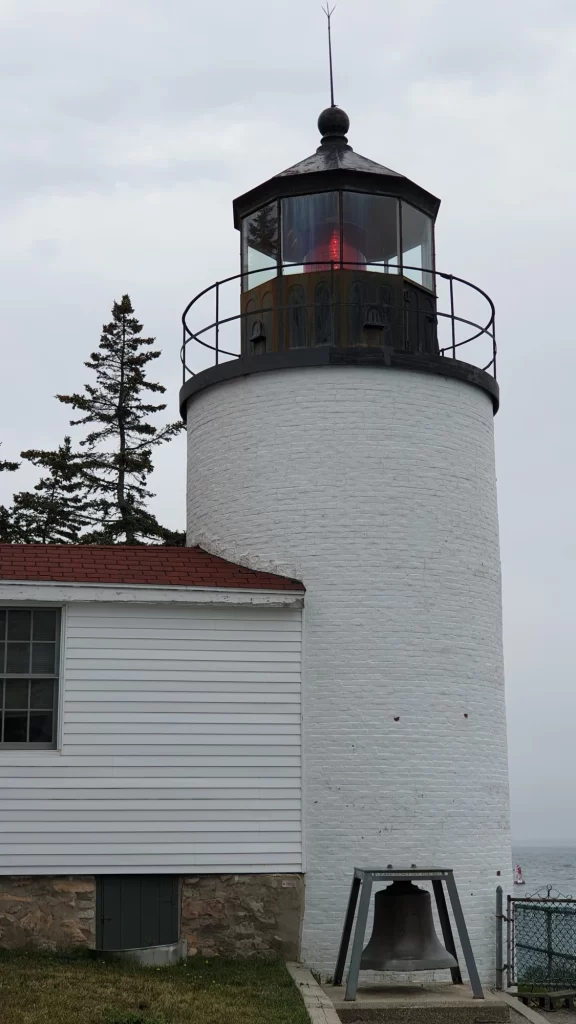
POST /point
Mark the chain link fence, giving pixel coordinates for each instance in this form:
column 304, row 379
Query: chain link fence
column 542, row 941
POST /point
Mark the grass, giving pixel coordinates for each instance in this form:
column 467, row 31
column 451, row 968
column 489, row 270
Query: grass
column 38, row 988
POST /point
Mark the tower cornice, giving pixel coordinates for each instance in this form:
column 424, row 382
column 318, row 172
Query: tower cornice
column 328, row 355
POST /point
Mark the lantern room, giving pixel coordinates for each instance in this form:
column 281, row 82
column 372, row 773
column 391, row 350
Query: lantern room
column 338, row 266
column 337, row 250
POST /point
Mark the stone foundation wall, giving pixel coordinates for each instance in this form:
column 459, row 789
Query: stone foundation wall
column 47, row 912
column 221, row 915
column 243, row 915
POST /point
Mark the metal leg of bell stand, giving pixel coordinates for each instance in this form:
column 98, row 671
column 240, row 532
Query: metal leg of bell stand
column 347, row 932
column 509, row 950
column 499, row 923
column 354, row 969
column 447, row 935
column 464, row 938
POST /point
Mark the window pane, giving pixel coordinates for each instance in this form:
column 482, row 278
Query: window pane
column 16, row 694
column 2, row 625
column 43, row 658
column 44, row 624
column 19, row 625
column 417, row 245
column 15, row 727
column 42, row 694
column 371, row 231
column 2, row 658
column 18, row 657
column 311, row 232
column 260, row 246
column 40, row 728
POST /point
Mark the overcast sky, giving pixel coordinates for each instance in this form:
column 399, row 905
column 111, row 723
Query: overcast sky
column 128, row 126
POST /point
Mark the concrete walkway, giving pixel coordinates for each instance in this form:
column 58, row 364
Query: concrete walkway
column 416, row 1004
column 319, row 1006
column 519, row 1014
column 558, row 1016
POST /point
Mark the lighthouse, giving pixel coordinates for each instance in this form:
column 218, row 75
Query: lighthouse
column 339, row 401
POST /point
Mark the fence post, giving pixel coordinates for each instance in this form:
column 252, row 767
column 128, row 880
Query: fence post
column 499, row 923
column 509, row 950
column 549, row 944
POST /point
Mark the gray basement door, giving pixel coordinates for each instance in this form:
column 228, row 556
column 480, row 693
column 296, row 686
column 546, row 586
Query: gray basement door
column 136, row 910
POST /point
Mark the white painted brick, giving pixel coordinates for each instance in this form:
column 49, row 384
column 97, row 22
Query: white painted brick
column 377, row 488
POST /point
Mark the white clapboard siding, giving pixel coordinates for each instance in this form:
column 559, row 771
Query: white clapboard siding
column 179, row 749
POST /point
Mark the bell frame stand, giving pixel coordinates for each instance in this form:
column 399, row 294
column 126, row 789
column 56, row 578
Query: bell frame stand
column 363, row 879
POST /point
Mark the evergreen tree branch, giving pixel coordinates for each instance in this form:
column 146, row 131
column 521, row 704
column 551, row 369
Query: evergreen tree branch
column 8, row 467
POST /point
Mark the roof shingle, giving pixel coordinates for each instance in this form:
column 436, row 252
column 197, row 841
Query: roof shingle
column 178, row 567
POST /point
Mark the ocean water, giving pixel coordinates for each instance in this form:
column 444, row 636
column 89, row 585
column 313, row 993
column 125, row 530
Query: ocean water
column 546, row 865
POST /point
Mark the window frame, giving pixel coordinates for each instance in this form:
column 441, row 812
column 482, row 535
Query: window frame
column 375, row 267
column 55, row 677
column 425, row 272
column 401, row 203
column 248, row 275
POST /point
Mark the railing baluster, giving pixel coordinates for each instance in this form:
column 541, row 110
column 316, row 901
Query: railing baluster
column 453, row 322
column 217, row 318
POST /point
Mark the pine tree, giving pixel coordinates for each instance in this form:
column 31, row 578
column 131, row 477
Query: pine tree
column 118, row 458
column 58, row 509
column 8, row 467
column 6, row 525
column 6, row 531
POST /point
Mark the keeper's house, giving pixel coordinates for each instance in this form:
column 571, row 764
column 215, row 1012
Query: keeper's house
column 150, row 749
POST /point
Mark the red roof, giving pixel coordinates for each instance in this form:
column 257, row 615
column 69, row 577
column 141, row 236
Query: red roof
column 177, row 567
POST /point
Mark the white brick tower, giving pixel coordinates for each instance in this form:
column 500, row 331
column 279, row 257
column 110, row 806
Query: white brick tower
column 347, row 447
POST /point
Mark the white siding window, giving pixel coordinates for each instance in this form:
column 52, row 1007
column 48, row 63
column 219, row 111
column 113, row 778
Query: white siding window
column 29, row 650
column 180, row 746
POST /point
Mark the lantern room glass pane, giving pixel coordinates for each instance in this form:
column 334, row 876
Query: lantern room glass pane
column 417, row 246
column 371, row 232
column 260, row 246
column 311, row 232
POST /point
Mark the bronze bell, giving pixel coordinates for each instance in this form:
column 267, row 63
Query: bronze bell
column 403, row 935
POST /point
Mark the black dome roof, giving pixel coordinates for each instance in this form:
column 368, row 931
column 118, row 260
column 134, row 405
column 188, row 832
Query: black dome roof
column 335, row 165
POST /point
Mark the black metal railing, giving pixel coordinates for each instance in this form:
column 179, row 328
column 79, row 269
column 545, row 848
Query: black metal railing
column 218, row 333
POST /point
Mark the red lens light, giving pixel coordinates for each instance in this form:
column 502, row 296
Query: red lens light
column 326, row 255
